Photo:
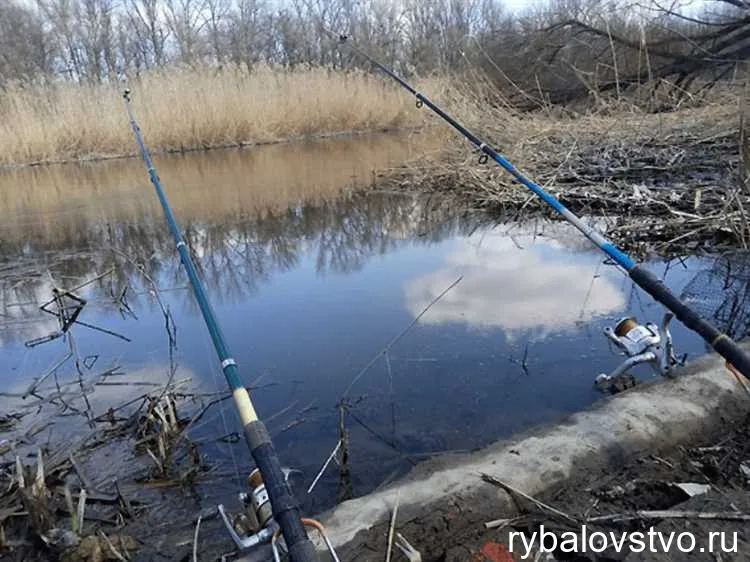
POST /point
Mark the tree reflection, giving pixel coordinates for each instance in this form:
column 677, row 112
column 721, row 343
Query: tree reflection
column 234, row 257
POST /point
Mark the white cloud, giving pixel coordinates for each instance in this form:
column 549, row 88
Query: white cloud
column 515, row 289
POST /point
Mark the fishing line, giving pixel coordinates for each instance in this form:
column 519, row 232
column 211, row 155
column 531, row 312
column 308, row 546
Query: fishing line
column 222, row 414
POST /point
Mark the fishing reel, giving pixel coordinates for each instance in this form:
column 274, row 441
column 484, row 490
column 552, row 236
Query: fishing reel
column 641, row 344
column 254, row 530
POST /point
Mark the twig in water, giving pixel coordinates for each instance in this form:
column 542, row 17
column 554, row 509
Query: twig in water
column 71, row 510
column 39, row 488
column 345, row 490
column 122, row 501
column 79, row 370
column 195, row 539
column 281, row 412
column 81, row 511
column 85, row 482
column 112, row 547
column 157, row 462
column 292, row 424
column 34, row 385
column 311, row 406
column 92, row 280
column 169, row 324
column 325, row 465
column 391, row 394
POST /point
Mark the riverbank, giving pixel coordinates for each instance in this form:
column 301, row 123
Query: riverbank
column 622, row 455
column 602, row 467
column 667, row 184
column 203, row 108
column 664, row 184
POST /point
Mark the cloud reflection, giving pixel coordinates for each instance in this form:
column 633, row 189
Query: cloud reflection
column 516, row 288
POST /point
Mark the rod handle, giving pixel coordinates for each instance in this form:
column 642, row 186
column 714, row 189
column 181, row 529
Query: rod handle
column 722, row 343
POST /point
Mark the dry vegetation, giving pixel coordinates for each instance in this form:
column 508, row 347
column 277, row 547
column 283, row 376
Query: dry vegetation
column 192, row 109
column 225, row 72
column 670, row 180
column 592, row 98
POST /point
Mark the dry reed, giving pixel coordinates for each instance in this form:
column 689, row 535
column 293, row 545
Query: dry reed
column 187, row 109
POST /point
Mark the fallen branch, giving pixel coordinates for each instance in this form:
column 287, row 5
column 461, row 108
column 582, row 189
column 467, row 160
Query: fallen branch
column 541, row 505
column 392, row 527
column 195, row 539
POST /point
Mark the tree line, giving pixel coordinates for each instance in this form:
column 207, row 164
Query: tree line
column 553, row 52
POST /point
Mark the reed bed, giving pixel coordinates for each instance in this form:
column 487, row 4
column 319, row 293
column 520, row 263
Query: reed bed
column 193, row 109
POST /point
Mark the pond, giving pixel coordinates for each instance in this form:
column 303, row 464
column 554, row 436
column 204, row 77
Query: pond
column 311, row 280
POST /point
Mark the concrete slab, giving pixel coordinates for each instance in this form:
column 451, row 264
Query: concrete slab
column 649, row 418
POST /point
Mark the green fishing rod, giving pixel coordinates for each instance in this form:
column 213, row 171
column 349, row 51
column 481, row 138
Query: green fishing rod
column 286, row 509
column 722, row 343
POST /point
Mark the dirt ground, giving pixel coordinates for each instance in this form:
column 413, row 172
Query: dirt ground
column 455, row 531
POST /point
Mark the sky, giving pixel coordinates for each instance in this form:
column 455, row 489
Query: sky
column 517, row 5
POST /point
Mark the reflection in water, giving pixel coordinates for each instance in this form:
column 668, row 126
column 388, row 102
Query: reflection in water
column 64, row 206
column 234, row 257
column 514, row 285
column 308, row 287
column 245, row 214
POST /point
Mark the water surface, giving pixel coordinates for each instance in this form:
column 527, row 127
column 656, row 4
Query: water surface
column 310, row 281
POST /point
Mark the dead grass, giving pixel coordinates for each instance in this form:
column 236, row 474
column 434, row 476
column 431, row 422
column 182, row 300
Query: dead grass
column 669, row 177
column 187, row 109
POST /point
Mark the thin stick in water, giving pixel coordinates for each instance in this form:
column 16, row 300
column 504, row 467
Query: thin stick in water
column 325, row 465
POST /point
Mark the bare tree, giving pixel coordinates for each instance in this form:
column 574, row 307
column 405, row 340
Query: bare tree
column 145, row 21
column 186, row 21
column 244, row 32
column 96, row 37
column 554, row 52
column 60, row 17
column 25, row 50
column 217, row 12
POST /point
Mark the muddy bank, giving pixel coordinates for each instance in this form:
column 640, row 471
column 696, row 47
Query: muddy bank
column 444, row 504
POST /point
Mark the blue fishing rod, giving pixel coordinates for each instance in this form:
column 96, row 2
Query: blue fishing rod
column 722, row 343
column 286, row 509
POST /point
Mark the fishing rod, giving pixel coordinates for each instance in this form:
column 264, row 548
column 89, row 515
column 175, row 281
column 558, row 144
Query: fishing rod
column 286, row 509
column 722, row 343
